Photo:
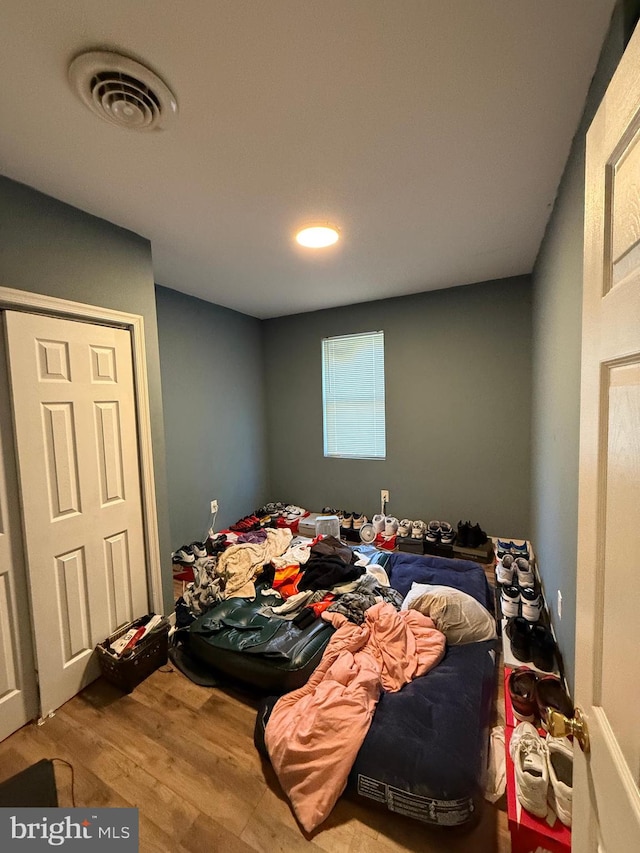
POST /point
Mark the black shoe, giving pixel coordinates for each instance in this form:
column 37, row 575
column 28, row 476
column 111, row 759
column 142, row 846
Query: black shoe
column 519, row 633
column 463, row 533
column 477, row 536
column 543, row 648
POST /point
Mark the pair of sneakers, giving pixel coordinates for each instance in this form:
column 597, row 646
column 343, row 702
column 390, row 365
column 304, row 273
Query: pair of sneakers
column 414, row 529
column 387, row 525
column 440, row 531
column 516, row 549
column 521, row 601
column 352, row 520
column 510, row 569
column 543, row 772
column 188, row 554
column 531, row 641
column 470, row 535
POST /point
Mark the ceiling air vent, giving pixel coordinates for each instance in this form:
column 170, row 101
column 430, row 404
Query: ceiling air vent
column 122, row 91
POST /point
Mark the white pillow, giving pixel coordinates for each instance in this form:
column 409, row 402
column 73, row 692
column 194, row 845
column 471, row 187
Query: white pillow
column 458, row 615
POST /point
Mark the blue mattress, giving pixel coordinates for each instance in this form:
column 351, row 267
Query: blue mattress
column 425, row 753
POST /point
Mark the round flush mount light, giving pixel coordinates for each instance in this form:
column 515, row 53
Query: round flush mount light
column 318, row 236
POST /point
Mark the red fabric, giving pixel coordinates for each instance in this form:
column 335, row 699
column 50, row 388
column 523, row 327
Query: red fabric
column 386, row 542
column 320, row 606
column 286, row 580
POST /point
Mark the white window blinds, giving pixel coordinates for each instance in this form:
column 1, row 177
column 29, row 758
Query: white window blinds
column 353, row 396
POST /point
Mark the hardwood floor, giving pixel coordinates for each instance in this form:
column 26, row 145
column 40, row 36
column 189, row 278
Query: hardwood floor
column 184, row 755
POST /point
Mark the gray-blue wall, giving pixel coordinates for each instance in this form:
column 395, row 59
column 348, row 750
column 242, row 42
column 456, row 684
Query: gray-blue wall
column 458, row 407
column 557, row 330
column 212, row 371
column 51, row 248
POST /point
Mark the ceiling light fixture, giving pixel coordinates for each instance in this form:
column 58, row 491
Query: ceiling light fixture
column 318, row 236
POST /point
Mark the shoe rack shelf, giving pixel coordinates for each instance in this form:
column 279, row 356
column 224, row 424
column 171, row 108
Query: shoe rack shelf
column 529, row 834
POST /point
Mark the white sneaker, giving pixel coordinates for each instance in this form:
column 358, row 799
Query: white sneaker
column 524, row 568
column 358, row 521
column 560, row 759
column 433, row 531
column 505, row 570
column 510, row 601
column 447, row 534
column 378, row 523
column 531, row 604
column 404, row 528
column 390, row 526
column 529, row 754
column 418, row 529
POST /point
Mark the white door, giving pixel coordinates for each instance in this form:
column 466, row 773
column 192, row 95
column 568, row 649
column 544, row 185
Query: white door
column 607, row 781
column 18, row 690
column 76, row 438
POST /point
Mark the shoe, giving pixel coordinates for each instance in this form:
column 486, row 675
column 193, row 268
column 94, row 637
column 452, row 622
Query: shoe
column 524, row 569
column 543, row 648
column 418, row 529
column 560, row 761
column 463, row 533
column 184, row 555
column 505, row 570
column 404, row 528
column 510, row 602
column 198, row 550
column 529, row 754
column 503, row 547
column 550, row 693
column 520, row 550
column 531, row 604
column 433, row 531
column 346, row 521
column 522, row 684
column 519, row 634
column 447, row 535
column 359, row 520
column 390, row 526
column 378, row 523
column 477, row 536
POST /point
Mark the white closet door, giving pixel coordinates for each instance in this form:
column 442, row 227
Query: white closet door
column 18, row 690
column 76, row 436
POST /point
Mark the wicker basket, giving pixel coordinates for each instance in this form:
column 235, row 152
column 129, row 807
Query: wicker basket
column 148, row 654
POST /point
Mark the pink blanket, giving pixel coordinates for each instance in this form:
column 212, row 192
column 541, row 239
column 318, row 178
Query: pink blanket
column 315, row 732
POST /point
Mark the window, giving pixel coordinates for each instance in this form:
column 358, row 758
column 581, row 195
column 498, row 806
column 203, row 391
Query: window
column 353, row 396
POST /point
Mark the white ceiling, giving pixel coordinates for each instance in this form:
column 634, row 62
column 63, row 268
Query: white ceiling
column 432, row 132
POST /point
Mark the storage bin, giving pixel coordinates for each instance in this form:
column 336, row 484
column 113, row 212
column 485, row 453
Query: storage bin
column 148, row 654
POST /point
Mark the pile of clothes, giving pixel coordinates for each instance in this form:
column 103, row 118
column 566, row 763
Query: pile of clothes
column 309, row 576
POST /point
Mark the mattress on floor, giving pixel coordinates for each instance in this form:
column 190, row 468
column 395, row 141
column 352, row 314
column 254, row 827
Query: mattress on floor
column 271, row 654
column 425, row 753
column 426, row 750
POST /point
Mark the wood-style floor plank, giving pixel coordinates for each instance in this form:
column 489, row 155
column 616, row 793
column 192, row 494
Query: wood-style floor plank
column 197, row 780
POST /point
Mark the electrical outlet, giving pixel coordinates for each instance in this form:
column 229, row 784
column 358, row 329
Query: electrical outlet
column 559, row 605
column 214, row 506
column 384, row 496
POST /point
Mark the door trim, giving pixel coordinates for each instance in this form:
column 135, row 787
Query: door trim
column 53, row 306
